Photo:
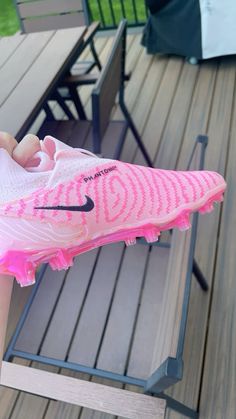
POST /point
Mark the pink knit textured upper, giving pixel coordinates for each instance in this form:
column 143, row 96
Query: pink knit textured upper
column 122, row 193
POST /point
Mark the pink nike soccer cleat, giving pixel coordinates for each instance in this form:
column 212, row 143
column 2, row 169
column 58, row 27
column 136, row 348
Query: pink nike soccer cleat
column 69, row 201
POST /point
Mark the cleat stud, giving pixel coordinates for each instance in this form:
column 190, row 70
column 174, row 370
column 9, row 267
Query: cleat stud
column 183, row 223
column 219, row 198
column 62, row 260
column 130, row 242
column 206, row 208
column 152, row 235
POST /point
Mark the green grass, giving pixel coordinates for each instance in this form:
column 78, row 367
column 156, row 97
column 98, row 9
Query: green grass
column 9, row 21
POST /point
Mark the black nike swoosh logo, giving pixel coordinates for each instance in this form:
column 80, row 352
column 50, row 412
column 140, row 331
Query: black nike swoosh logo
column 87, row 207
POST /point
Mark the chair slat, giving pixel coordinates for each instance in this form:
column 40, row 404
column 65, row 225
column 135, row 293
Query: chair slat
column 45, row 7
column 149, row 315
column 68, row 307
column 79, row 392
column 54, row 22
column 109, row 90
column 93, row 319
column 34, row 327
column 108, row 84
column 119, row 329
column 168, row 336
column 171, row 315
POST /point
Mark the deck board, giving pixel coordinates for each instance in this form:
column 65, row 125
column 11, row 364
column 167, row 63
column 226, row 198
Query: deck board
column 10, row 83
column 88, row 335
column 220, row 364
column 119, row 329
column 218, row 129
column 162, row 101
column 172, row 137
column 171, row 102
column 9, row 49
column 144, row 337
column 65, row 316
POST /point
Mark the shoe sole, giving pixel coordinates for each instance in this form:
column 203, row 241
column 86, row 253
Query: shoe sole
column 23, row 265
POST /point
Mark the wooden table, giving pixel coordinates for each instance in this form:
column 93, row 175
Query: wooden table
column 30, row 68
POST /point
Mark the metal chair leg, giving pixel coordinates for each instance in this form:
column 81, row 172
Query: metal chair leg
column 63, row 105
column 136, row 134
column 77, row 102
column 180, row 407
column 49, row 113
column 95, row 56
column 199, row 276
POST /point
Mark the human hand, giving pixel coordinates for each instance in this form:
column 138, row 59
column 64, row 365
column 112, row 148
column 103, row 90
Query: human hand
column 20, row 152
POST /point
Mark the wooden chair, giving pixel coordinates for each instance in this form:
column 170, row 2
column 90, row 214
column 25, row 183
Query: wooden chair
column 109, row 305
column 109, row 84
column 42, row 15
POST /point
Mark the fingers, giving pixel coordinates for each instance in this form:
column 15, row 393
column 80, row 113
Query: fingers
column 23, row 151
column 28, row 146
column 7, row 142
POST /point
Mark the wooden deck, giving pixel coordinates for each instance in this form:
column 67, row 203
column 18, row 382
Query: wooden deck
column 171, row 102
